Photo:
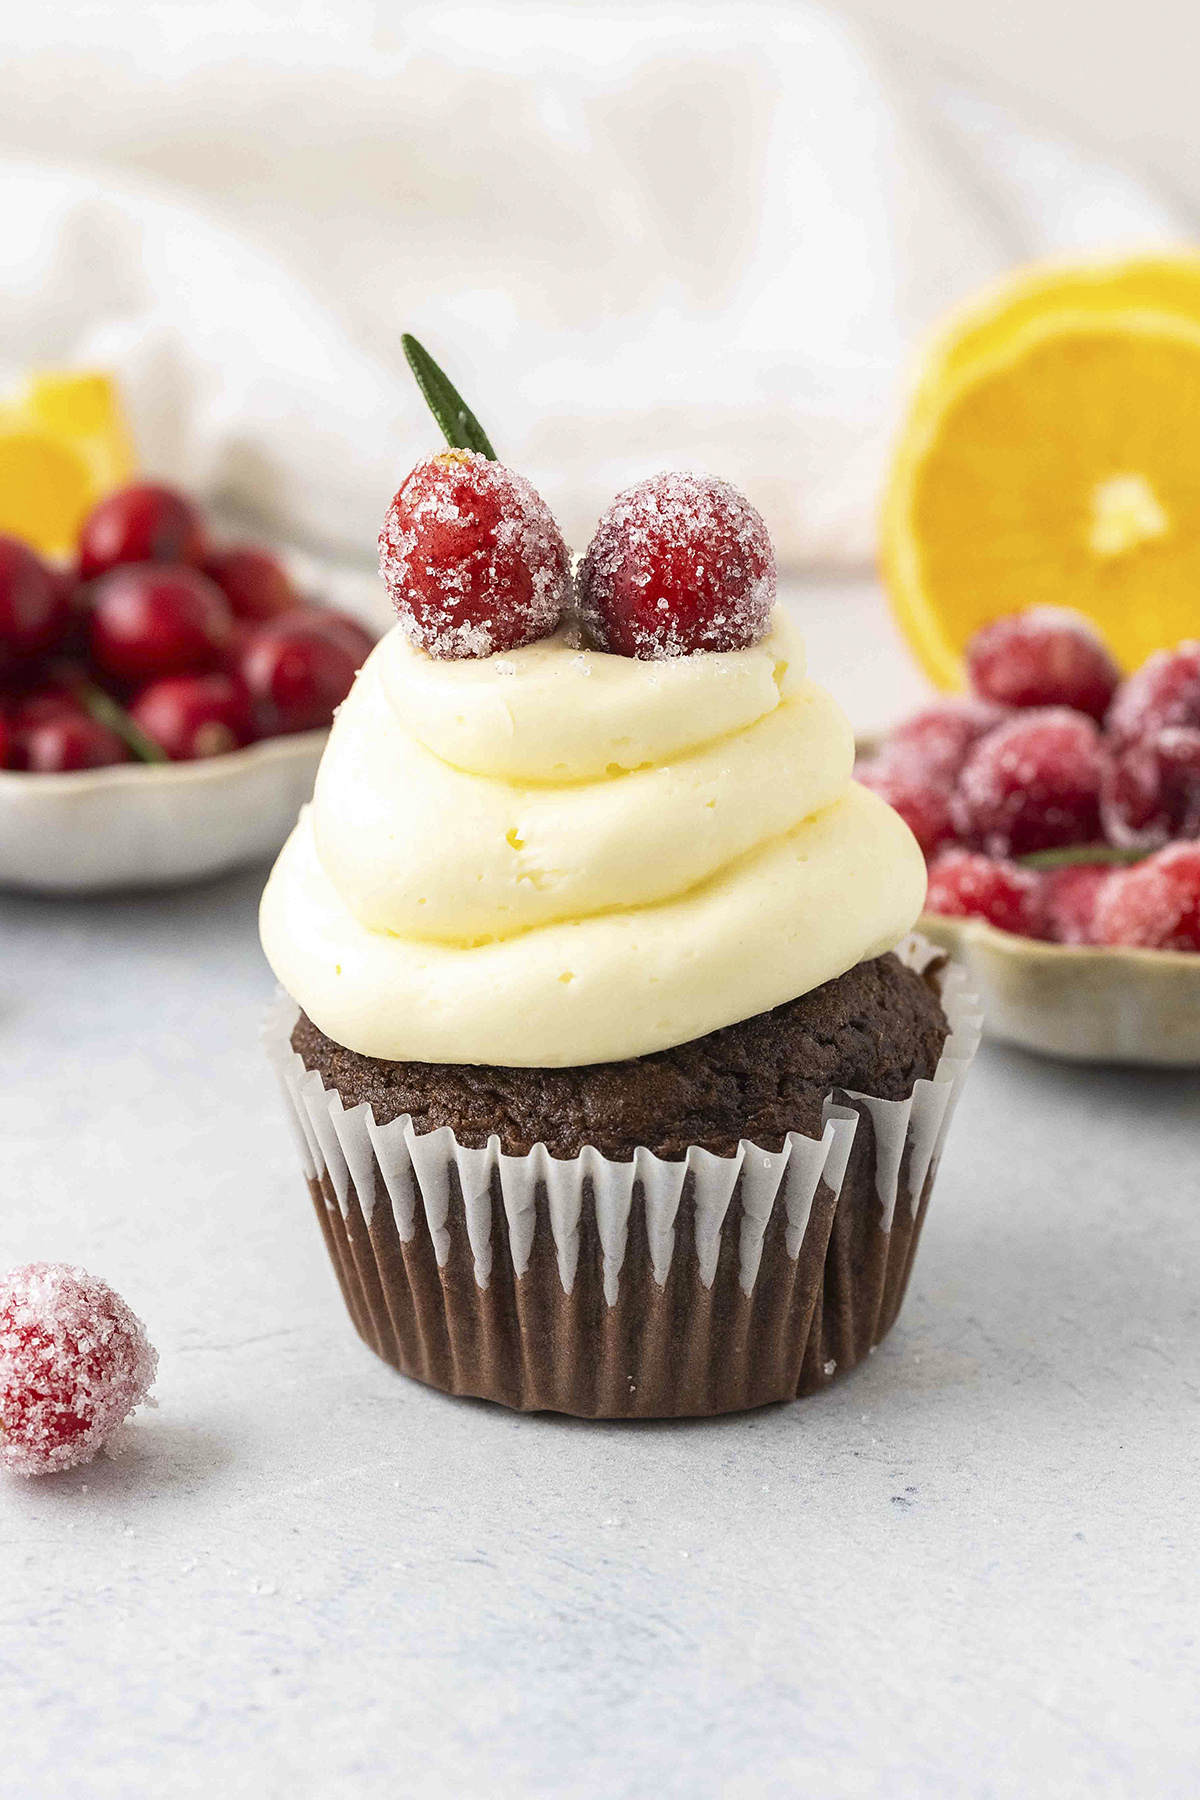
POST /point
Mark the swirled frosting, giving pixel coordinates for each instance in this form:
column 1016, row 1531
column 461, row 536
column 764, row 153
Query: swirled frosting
column 558, row 856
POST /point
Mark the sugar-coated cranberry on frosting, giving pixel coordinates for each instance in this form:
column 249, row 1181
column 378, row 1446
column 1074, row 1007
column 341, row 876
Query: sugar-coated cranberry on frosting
column 472, row 558
column 680, row 563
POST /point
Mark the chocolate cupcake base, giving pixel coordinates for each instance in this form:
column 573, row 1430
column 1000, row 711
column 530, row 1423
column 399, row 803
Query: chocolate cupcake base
column 637, row 1288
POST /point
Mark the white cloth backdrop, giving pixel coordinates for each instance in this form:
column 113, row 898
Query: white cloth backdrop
column 695, row 235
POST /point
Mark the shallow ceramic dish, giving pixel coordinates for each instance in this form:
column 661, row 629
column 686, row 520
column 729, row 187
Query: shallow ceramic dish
column 153, row 825
column 145, row 825
column 1092, row 1005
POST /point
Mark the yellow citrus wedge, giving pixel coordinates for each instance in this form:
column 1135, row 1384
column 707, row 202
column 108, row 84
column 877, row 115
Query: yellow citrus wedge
column 1051, row 456
column 64, row 444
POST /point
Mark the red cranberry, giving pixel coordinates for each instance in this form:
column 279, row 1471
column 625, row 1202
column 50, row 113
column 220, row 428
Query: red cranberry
column 1031, row 784
column 35, row 602
column 679, row 563
column 1165, row 691
column 472, row 558
column 1071, row 896
column 339, row 628
column 1151, row 790
column 1156, row 904
column 966, row 885
column 71, row 741
column 253, row 581
column 1044, row 656
column 297, row 672
column 156, row 621
column 924, row 805
column 74, row 1362
column 142, row 523
column 192, row 716
column 937, row 741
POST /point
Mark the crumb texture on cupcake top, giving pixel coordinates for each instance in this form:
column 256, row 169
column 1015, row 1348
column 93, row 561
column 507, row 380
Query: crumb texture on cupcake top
column 558, row 856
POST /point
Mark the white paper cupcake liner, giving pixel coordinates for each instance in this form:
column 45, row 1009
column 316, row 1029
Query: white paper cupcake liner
column 642, row 1288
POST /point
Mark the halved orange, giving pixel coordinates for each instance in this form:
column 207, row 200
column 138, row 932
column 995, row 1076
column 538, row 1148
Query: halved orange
column 64, row 444
column 1051, row 455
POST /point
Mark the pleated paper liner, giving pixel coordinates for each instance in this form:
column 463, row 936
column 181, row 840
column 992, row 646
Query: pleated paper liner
column 645, row 1289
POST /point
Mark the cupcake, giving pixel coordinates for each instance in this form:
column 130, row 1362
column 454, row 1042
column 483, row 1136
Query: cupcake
column 619, row 1085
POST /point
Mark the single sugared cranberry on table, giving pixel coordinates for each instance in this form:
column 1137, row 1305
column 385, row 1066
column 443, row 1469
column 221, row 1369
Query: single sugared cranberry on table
column 680, row 563
column 1156, row 904
column 963, row 884
column 194, row 716
column 35, row 602
column 472, row 558
column 56, row 746
column 1071, row 895
column 1043, row 656
column 1164, row 692
column 253, row 581
column 299, row 668
column 1032, row 784
column 74, row 1362
column 156, row 620
column 924, row 805
column 937, row 741
column 1151, row 790
column 143, row 523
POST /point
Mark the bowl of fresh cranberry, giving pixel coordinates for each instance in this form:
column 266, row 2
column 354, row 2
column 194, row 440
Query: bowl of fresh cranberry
column 163, row 702
column 1058, row 807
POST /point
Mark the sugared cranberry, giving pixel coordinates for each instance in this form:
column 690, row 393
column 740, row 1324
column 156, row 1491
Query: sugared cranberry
column 1164, row 692
column 253, row 581
column 937, row 741
column 472, row 558
column 1151, row 790
column 54, row 746
column 966, row 885
column 297, row 671
column 35, row 602
column 680, row 563
column 1156, row 904
column 1044, row 656
column 193, row 716
column 143, row 523
column 1031, row 784
column 156, row 621
column 1071, row 896
column 74, row 1362
column 924, row 805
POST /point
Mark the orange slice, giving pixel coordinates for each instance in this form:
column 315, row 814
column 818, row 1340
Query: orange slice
column 64, row 444
column 1051, row 456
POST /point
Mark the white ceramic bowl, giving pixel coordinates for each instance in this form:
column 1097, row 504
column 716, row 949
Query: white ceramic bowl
column 141, row 825
column 153, row 824
column 1091, row 1005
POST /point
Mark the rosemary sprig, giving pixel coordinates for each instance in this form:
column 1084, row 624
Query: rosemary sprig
column 1068, row 855
column 461, row 428
column 106, row 711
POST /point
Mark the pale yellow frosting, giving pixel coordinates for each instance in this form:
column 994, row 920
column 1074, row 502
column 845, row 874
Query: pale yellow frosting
column 557, row 856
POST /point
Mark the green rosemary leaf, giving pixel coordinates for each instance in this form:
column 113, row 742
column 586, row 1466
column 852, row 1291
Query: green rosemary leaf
column 461, row 428
column 104, row 708
column 1068, row 855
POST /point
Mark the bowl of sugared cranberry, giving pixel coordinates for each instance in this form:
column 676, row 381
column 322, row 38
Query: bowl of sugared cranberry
column 163, row 702
column 1058, row 806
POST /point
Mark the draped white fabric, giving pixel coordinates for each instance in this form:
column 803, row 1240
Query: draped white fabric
column 696, row 235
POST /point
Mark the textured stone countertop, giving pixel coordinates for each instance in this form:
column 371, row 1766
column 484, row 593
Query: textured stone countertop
column 970, row 1569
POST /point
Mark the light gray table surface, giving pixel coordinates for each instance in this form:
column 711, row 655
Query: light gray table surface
column 970, row 1569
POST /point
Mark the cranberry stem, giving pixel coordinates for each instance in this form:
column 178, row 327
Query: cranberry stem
column 1067, row 856
column 106, row 711
column 461, row 428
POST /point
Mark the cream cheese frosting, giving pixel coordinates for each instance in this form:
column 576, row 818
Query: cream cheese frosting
column 557, row 856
